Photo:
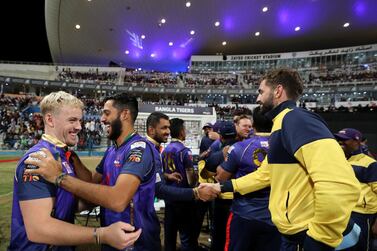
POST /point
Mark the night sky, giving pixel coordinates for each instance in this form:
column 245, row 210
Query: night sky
column 23, row 32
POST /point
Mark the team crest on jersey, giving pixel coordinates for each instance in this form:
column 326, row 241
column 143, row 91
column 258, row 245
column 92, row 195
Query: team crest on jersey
column 258, row 156
column 67, row 167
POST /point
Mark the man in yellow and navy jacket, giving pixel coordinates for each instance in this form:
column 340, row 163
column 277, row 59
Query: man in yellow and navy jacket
column 313, row 187
column 365, row 169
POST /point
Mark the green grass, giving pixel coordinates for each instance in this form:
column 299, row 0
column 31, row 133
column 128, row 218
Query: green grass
column 7, row 170
column 6, row 192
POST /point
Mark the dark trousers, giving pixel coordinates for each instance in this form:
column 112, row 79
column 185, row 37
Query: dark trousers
column 302, row 242
column 251, row 235
column 293, row 242
column 221, row 211
column 179, row 217
column 365, row 222
column 201, row 210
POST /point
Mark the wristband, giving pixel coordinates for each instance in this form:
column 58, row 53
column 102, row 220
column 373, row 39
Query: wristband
column 59, row 179
column 226, row 186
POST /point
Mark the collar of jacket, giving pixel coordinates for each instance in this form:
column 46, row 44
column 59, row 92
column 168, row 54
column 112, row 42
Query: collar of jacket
column 278, row 109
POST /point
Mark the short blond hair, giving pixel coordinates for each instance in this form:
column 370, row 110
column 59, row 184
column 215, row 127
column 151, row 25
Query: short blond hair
column 55, row 100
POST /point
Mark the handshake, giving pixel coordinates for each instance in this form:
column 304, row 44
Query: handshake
column 207, row 191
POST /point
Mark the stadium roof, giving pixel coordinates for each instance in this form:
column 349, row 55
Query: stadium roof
column 102, row 31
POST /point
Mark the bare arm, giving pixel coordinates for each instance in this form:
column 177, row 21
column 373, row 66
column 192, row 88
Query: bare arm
column 48, row 230
column 115, row 197
column 191, row 177
column 82, row 172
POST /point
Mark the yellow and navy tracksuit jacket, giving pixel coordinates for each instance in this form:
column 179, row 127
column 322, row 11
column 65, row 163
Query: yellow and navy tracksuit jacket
column 313, row 187
column 365, row 169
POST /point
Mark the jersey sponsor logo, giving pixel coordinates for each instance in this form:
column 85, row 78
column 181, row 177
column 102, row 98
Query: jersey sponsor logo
column 67, row 167
column 26, row 177
column 158, row 178
column 136, row 154
column 30, row 166
column 117, row 163
column 133, row 158
column 264, row 144
column 138, row 144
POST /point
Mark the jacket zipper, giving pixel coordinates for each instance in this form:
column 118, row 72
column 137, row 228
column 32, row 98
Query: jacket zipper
column 286, row 207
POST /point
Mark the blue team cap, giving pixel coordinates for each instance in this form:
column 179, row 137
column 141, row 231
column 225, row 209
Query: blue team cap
column 348, row 133
column 209, row 125
column 216, row 127
column 227, row 129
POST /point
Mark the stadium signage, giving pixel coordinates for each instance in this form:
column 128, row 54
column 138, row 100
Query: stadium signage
column 149, row 108
column 254, row 57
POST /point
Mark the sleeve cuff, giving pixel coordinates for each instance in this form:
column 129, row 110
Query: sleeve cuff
column 226, row 186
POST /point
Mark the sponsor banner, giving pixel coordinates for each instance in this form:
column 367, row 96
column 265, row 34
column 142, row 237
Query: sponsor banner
column 18, row 80
column 56, row 83
column 310, row 104
column 108, row 87
column 355, row 103
column 39, row 82
column 124, row 88
column 90, row 86
column 75, row 85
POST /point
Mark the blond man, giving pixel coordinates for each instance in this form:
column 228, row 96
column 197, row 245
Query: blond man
column 43, row 213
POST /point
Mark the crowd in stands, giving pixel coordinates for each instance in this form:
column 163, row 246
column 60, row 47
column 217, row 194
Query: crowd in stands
column 150, row 79
column 348, row 75
column 250, row 79
column 92, row 76
column 20, row 128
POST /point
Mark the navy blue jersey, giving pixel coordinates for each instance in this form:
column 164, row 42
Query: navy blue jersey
column 177, row 158
column 243, row 158
column 216, row 146
column 205, row 143
column 30, row 187
column 163, row 191
column 215, row 156
column 135, row 156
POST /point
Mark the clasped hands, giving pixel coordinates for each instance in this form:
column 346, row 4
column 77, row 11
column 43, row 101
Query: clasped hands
column 208, row 191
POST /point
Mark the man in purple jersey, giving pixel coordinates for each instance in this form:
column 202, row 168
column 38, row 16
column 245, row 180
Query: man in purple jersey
column 43, row 214
column 126, row 173
column 179, row 215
